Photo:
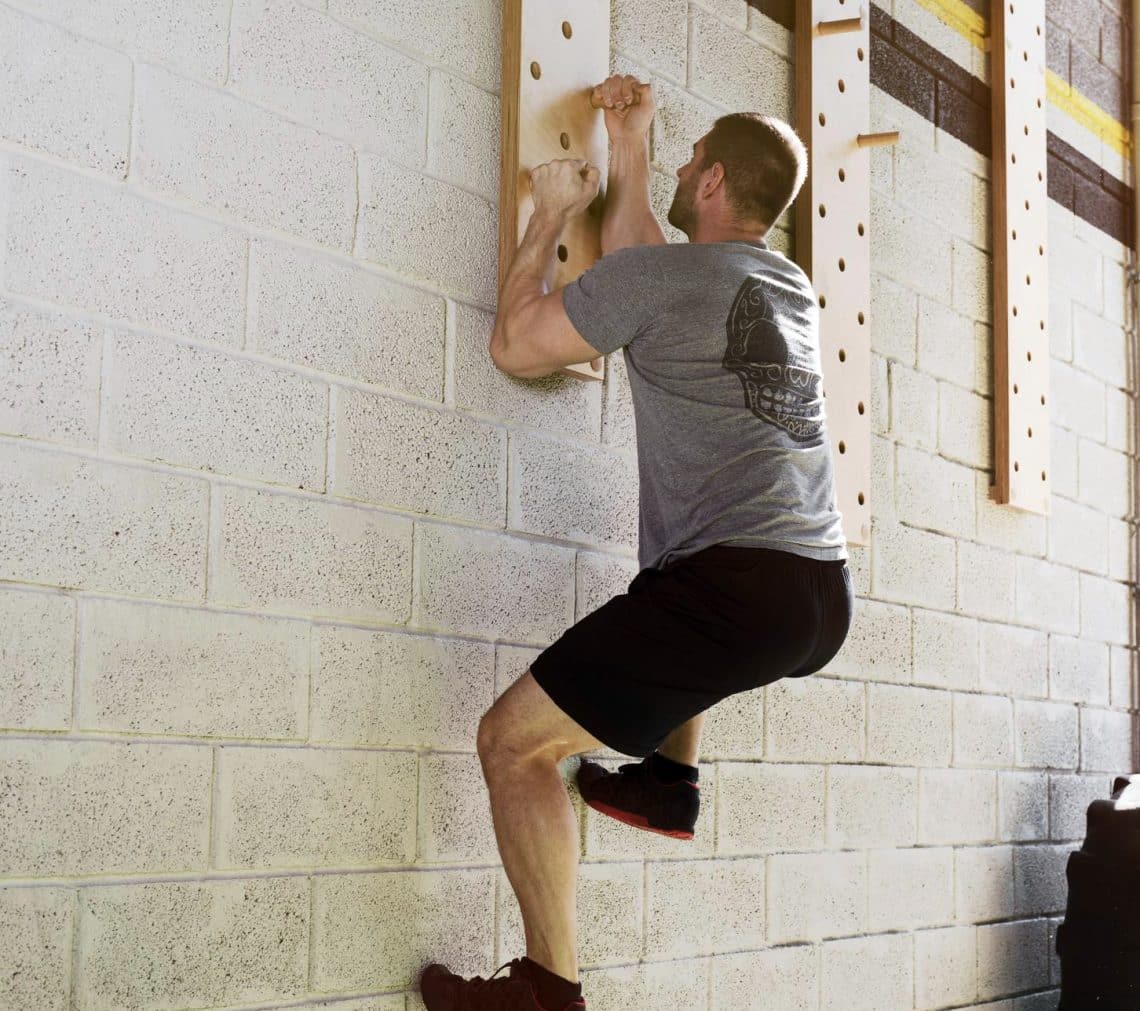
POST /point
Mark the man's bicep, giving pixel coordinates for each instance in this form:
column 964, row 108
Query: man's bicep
column 612, row 301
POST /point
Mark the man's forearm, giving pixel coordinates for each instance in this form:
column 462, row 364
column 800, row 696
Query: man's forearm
column 628, row 218
column 527, row 275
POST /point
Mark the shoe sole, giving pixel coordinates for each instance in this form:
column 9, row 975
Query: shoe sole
column 638, row 820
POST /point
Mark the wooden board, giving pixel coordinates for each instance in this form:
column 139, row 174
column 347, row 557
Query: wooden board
column 832, row 245
column 554, row 52
column 1020, row 223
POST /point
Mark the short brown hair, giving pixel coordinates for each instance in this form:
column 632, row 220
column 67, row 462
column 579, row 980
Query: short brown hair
column 765, row 163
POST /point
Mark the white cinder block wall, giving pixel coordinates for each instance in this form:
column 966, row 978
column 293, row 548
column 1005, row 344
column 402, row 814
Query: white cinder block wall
column 275, row 533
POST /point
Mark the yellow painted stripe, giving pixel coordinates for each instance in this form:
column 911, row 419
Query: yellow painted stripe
column 968, row 23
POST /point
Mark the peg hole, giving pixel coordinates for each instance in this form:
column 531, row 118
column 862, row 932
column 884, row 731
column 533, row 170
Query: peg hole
column 822, row 119
column 861, row 229
column 1040, row 176
column 1027, row 280
column 1015, row 387
column 842, row 86
column 562, row 252
column 564, row 140
column 1013, row 158
column 1026, row 129
column 1042, row 475
column 842, row 355
column 535, row 70
column 1043, row 324
column 1027, row 205
column 1038, row 103
column 1015, row 310
column 822, row 211
column 566, row 29
column 1042, row 399
column 1016, row 465
column 862, row 409
column 1030, row 431
column 842, row 446
column 860, row 498
column 842, row 264
column 1011, row 83
column 1014, row 233
column 1025, row 55
column 842, row 175
column 861, row 319
column 1040, row 250
column 823, row 301
column 1029, row 356
column 859, row 52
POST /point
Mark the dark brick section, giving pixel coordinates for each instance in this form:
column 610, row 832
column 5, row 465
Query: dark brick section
column 916, row 74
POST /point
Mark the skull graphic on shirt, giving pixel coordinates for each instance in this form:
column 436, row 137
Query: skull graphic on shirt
column 776, row 388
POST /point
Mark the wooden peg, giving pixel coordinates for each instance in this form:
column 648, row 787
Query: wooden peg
column 597, row 103
column 877, row 139
column 837, row 27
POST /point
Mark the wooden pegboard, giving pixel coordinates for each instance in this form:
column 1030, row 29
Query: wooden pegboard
column 1020, row 255
column 832, row 245
column 554, row 52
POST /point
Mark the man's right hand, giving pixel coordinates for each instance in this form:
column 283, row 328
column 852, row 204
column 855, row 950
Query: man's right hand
column 625, row 118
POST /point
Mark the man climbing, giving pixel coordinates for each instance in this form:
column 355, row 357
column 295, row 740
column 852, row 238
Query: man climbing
column 743, row 575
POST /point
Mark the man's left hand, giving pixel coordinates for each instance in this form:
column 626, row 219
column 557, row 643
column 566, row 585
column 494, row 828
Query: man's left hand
column 564, row 187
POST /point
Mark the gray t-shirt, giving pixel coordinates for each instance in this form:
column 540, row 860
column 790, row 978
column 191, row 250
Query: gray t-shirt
column 721, row 344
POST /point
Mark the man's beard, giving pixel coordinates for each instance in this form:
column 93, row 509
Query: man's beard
column 680, row 214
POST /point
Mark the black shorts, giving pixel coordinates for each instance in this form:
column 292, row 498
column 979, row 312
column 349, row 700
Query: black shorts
column 714, row 623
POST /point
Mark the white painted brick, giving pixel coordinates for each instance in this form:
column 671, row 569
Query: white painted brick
column 101, row 807
column 1099, row 346
column 453, row 820
column 654, row 34
column 370, row 931
column 1115, row 283
column 649, row 985
column 734, row 727
column 732, row 12
column 983, row 343
column 814, row 895
column 910, row 888
column 1078, row 536
column 1046, row 595
column 407, row 224
column 785, row 978
column 1077, row 401
column 160, row 402
column 700, row 907
column 932, row 185
column 946, row 651
column 472, row 581
column 315, row 70
column 880, row 400
column 972, row 281
column 1069, row 800
column 37, row 642
column 896, row 321
column 945, row 966
column 768, row 808
column 463, row 135
column 79, row 242
column 775, row 34
column 882, row 502
column 1103, row 478
column 235, row 940
column 1105, row 609
column 908, row 726
column 1039, row 884
column 681, row 116
column 983, row 883
column 335, row 317
column 1078, row 670
column 902, row 248
column 1120, row 673
column 871, row 805
column 1063, row 478
column 910, row 566
column 986, row 581
column 619, row 424
column 796, row 709
column 1014, row 660
column 1106, row 741
column 934, row 493
column 882, row 965
column 983, row 730
column 878, row 644
column 1060, row 324
column 1045, row 734
column 357, row 563
column 44, row 68
column 394, row 453
column 144, row 668
column 240, row 160
column 313, row 807
column 914, row 407
column 572, row 490
column 965, row 431
column 1119, row 551
column 1012, row 957
column 38, row 927
column 599, row 578
column 734, row 70
column 78, row 522
column 1074, row 266
column 956, row 806
column 1118, row 418
column 1006, row 528
column 511, row 663
column 49, row 374
column 390, row 689
column 466, row 39
column 1023, row 806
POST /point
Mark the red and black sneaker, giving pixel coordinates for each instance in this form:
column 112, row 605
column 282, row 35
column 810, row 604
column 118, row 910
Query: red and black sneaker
column 634, row 795
column 443, row 990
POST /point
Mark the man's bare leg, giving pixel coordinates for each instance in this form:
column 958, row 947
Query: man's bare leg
column 684, row 743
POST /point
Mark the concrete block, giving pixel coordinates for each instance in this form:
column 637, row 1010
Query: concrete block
column 160, row 402
column 1023, row 806
column 945, row 966
column 883, row 966
column 965, row 427
column 1006, row 528
column 1060, row 325
column 80, row 242
column 599, row 578
column 341, row 319
column 313, row 807
column 1105, row 609
column 795, row 710
column 1099, row 346
column 655, row 36
column 407, row 225
column 1106, row 741
column 703, row 907
column 1119, row 550
column 95, row 807
column 357, row 562
column 786, row 977
column 1119, row 413
column 882, row 502
column 910, row 888
column 395, row 453
column 946, row 651
column 619, row 425
column 734, row 727
column 983, row 883
column 1046, row 595
column 1012, row 957
column 914, row 414
column 766, row 808
column 1078, row 536
column 556, row 489
column 878, row 644
column 1069, row 800
column 508, row 587
column 200, row 943
column 1103, row 478
column 49, row 375
column 871, row 805
column 78, row 522
column 1039, row 885
column 682, row 116
column 911, row 566
column 241, row 160
column 511, row 663
column 1045, row 734
column 815, row 895
column 37, row 641
column 902, row 249
column 649, row 985
column 464, row 134
column 928, row 183
column 1015, row 660
column 1077, row 401
column 1078, row 670
column 983, row 730
column 377, row 931
column 1063, row 455
column 1120, row 674
column 896, row 322
column 956, row 806
column 934, row 492
column 454, row 816
column 983, row 344
column 37, row 926
column 972, row 288
column 986, row 581
column 144, row 668
column 730, row 68
column 908, row 726
column 1074, row 266
column 327, row 75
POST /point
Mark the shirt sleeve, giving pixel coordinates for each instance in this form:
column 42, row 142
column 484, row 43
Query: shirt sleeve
column 616, row 298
